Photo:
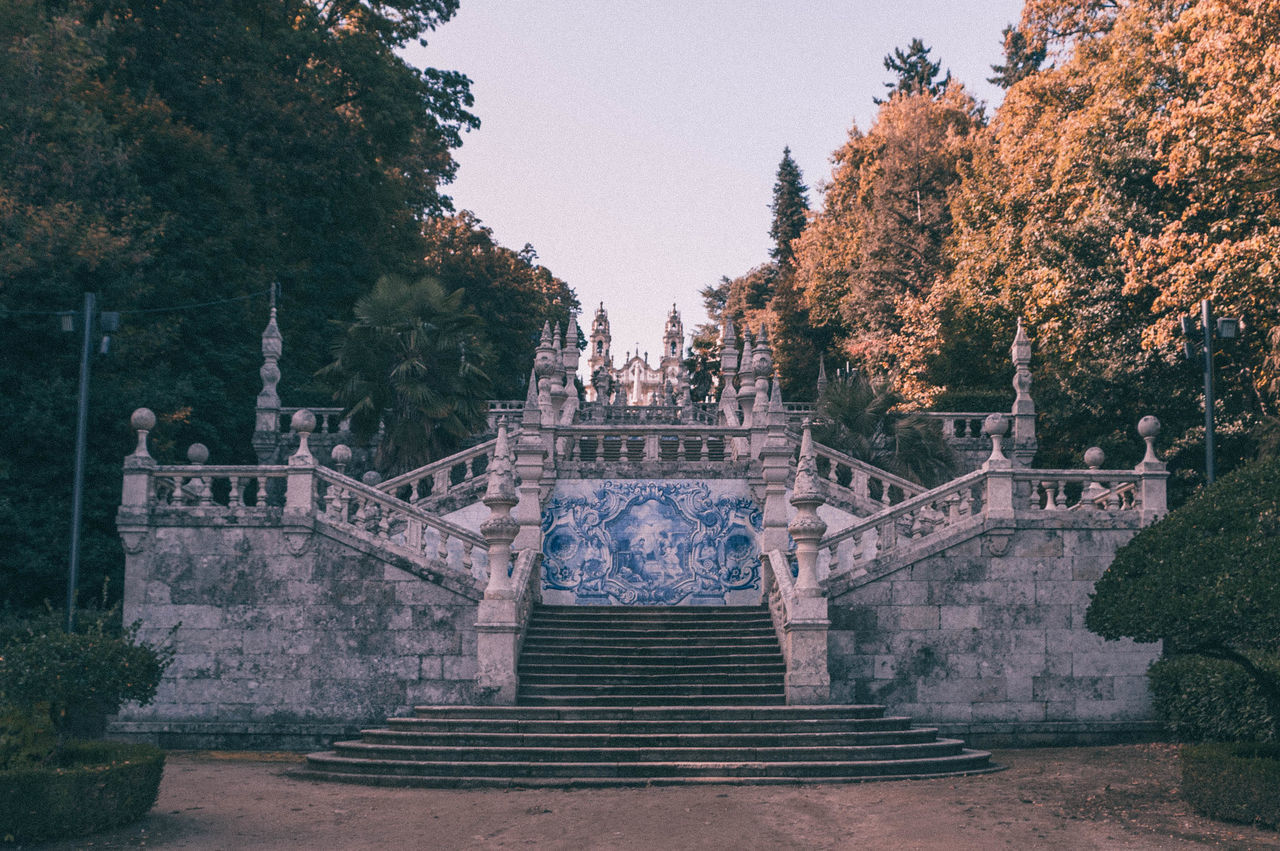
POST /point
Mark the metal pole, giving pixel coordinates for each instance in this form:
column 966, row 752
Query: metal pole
column 1206, row 320
column 82, row 425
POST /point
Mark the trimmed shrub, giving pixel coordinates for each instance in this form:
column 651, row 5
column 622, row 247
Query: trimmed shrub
column 86, row 787
column 1233, row 782
column 1208, row 700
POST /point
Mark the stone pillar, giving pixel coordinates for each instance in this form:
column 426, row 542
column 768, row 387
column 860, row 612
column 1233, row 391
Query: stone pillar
column 135, row 495
column 498, row 620
column 266, row 427
column 999, row 501
column 531, row 456
column 807, row 619
column 1024, row 408
column 298, row 497
column 1154, row 474
column 775, row 459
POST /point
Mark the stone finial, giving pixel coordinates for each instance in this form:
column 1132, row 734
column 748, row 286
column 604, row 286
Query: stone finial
column 1094, row 457
column 806, row 527
column 557, row 340
column 748, row 362
column 996, row 426
column 728, row 350
column 372, row 478
column 532, row 416
column 143, row 421
column 777, row 410
column 198, row 454
column 303, row 423
column 500, row 529
column 340, row 455
column 729, row 405
column 1149, row 429
column 272, row 348
column 762, row 356
column 822, row 375
column 1024, row 408
column 545, row 340
column 806, row 488
column 1094, row 490
column 501, row 487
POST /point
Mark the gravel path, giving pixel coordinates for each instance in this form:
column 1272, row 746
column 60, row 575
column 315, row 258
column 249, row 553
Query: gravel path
column 1078, row 798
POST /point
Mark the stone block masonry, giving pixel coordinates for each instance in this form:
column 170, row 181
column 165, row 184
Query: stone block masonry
column 994, row 647
column 289, row 638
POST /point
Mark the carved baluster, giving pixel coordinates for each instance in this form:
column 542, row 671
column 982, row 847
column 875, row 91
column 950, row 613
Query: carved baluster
column 1045, row 504
column 884, row 493
column 1113, row 497
column 1060, row 499
column 440, row 482
column 260, row 499
column 443, row 553
column 886, row 536
column 952, row 502
column 466, row 556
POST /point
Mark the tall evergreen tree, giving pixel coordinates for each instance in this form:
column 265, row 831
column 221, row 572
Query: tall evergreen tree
column 1022, row 58
column 917, row 73
column 790, row 208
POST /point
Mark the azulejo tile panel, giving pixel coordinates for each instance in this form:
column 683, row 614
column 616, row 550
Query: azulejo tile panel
column 651, row 543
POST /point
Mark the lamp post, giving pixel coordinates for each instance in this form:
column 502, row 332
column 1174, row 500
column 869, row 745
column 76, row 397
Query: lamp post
column 1227, row 328
column 108, row 322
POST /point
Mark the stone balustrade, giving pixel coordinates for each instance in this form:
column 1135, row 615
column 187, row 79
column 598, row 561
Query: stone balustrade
column 863, row 486
column 613, row 450
column 920, row 517
column 371, row 515
column 701, row 413
column 215, row 486
column 1077, row 490
column 958, row 425
column 462, row 472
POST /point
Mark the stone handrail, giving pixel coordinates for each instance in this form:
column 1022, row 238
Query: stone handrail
column 1054, row 490
column 869, row 485
column 209, row 486
column 614, row 446
column 389, row 523
column 437, row 479
column 958, row 425
column 920, row 517
column 597, row 412
column 328, row 420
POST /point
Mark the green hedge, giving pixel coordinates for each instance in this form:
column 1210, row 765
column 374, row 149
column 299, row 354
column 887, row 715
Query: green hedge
column 1208, row 700
column 92, row 786
column 1233, row 781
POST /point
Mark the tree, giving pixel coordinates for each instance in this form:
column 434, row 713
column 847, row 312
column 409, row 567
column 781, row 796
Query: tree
column 171, row 154
column 790, row 210
column 1205, row 579
column 413, row 363
column 1022, row 58
column 877, row 246
column 917, row 74
column 863, row 417
column 511, row 293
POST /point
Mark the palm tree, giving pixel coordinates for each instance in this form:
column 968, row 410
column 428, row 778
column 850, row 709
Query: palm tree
column 411, row 363
column 862, row 418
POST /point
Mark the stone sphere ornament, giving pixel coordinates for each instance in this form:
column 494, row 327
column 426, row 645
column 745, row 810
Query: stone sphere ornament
column 340, row 454
column 995, row 424
column 197, row 453
column 1093, row 457
column 143, row 419
column 371, row 478
column 1148, row 426
column 303, row 421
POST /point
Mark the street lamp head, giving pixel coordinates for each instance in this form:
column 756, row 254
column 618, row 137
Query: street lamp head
column 1229, row 327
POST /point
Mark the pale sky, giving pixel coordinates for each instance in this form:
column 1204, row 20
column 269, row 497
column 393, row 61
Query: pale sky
column 634, row 144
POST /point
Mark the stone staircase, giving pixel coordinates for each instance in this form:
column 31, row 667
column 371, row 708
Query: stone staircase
column 614, row 696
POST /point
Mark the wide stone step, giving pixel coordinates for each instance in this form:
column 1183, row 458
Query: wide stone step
column 965, row 760
column 656, row 679
column 571, row 657
column 748, row 665
column 535, row 753
column 771, row 714
column 725, row 689
column 795, row 727
column 658, row 739
column 692, row 700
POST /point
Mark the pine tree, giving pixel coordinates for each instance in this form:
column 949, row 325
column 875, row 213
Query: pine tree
column 1022, row 58
column 916, row 73
column 790, row 206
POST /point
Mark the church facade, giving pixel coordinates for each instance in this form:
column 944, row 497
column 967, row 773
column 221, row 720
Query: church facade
column 635, row 381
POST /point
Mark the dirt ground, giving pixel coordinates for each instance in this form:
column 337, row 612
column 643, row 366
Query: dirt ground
column 1078, row 798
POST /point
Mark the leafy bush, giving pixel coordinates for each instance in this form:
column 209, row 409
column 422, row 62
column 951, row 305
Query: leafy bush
column 89, row 786
column 1205, row 579
column 68, row 682
column 1233, row 782
column 1208, row 700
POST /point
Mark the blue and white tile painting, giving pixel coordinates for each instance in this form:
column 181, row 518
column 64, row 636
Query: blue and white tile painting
column 651, row 543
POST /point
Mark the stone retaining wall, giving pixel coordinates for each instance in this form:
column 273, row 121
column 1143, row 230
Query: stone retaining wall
column 988, row 637
column 280, row 631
